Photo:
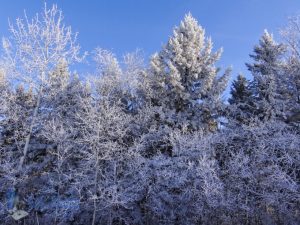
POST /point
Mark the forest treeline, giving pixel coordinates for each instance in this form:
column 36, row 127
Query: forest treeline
column 147, row 142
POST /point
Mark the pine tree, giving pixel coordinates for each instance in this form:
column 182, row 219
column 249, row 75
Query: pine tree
column 59, row 77
column 185, row 78
column 240, row 90
column 16, row 117
column 240, row 105
column 266, row 72
column 109, row 78
column 62, row 97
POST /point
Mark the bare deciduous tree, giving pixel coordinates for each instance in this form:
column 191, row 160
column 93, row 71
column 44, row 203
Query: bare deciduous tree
column 33, row 50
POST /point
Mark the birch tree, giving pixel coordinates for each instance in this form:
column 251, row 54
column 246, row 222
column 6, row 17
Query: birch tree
column 3, row 88
column 291, row 81
column 125, row 81
column 33, row 49
column 110, row 166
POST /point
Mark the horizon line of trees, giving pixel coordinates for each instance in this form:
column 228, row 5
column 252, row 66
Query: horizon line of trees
column 155, row 144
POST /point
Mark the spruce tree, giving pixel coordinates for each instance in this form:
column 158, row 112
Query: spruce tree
column 266, row 72
column 240, row 90
column 188, row 88
column 240, row 105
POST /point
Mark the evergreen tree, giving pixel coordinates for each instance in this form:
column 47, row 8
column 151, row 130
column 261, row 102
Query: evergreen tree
column 240, row 104
column 240, row 90
column 59, row 77
column 266, row 72
column 16, row 117
column 185, row 78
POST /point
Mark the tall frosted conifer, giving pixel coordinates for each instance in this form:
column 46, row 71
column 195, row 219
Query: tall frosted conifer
column 188, row 88
column 266, row 72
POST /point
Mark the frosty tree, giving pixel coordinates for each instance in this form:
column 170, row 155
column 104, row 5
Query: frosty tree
column 124, row 82
column 3, row 87
column 2, row 79
column 291, row 82
column 239, row 90
column 266, row 72
column 33, row 50
column 241, row 106
column 139, row 144
column 186, row 81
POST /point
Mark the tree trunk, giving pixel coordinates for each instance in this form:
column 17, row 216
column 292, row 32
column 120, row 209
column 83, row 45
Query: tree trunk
column 25, row 150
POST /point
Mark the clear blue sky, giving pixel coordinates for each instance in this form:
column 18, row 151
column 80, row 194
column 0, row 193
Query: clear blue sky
column 124, row 25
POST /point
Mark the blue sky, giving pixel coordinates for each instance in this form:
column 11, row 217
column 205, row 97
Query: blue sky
column 125, row 25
